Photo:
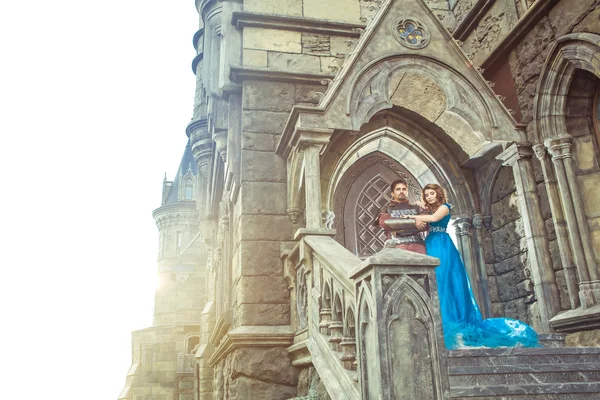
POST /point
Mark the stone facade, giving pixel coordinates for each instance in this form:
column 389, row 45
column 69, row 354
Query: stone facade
column 304, row 111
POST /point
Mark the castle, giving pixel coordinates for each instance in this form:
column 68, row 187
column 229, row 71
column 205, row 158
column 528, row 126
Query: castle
column 273, row 281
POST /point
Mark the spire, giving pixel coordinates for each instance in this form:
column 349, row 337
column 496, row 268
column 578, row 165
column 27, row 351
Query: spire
column 187, row 171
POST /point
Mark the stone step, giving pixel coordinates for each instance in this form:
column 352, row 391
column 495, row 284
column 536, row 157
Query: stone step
column 537, row 391
column 523, row 356
column 523, row 374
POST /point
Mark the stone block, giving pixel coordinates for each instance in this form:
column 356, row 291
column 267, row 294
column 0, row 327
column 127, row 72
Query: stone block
column 259, row 141
column 493, row 287
column 331, row 64
column 504, row 185
column 268, row 96
column 263, row 121
column 254, row 58
column 595, row 239
column 260, row 166
column 341, row 45
column 282, row 7
column 335, row 10
column 509, row 240
column 420, row 93
column 263, row 198
column 243, row 388
column 294, row 62
column 589, row 184
column 563, row 292
column 262, row 290
column 516, row 309
column 535, row 41
column 497, row 310
column 550, row 230
column 580, row 106
column 305, row 93
column 261, row 258
column 508, row 288
column 584, row 154
column 318, row 45
column 566, row 14
column 266, row 227
column 544, row 201
column 591, row 22
column 583, row 339
column 505, row 211
column 579, row 126
column 262, row 314
column 270, row 364
column 511, row 264
column 272, row 39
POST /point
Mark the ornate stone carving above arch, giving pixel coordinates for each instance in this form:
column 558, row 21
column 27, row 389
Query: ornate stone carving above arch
column 570, row 53
column 467, row 114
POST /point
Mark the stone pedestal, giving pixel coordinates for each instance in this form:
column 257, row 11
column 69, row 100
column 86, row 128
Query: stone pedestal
column 400, row 345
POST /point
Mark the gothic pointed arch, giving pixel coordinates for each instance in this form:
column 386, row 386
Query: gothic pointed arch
column 576, row 51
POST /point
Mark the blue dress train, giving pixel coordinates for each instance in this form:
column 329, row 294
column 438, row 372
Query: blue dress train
column 461, row 318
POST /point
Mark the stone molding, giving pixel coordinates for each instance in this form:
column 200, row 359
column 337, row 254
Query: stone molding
column 514, row 37
column 253, row 336
column 560, row 147
column 239, row 74
column 242, row 19
column 577, row 320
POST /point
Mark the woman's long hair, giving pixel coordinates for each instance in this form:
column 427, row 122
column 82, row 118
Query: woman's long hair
column 441, row 197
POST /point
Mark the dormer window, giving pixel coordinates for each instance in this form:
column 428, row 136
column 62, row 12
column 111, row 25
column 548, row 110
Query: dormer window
column 189, row 190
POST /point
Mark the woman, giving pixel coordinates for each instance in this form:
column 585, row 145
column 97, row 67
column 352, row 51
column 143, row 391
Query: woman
column 461, row 319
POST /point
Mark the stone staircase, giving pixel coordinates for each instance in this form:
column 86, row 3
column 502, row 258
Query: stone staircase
column 519, row 374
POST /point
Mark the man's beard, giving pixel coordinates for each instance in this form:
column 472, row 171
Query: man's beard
column 401, row 198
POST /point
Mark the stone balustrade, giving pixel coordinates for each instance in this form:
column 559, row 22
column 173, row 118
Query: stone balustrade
column 363, row 321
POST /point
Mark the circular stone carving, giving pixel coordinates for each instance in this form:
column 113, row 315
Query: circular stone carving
column 411, row 32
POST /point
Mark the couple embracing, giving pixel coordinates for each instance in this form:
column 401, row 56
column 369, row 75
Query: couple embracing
column 462, row 321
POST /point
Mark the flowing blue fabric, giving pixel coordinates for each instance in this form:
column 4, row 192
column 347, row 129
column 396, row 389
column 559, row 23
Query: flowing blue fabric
column 461, row 318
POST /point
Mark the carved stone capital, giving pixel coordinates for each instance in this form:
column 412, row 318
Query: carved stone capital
column 463, row 226
column 560, row 146
column 294, row 214
column 540, row 151
column 515, row 153
column 201, row 143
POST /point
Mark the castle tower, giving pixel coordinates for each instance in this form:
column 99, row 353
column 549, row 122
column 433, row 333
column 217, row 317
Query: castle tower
column 162, row 355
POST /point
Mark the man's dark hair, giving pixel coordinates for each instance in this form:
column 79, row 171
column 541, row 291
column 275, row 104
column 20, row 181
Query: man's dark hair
column 397, row 181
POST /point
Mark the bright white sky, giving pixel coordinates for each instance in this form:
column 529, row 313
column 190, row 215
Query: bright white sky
column 94, row 101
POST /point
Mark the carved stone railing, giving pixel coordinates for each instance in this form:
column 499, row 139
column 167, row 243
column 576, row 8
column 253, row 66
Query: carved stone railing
column 186, row 363
column 384, row 309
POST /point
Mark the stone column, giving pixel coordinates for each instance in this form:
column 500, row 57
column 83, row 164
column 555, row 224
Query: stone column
column 579, row 236
column 312, row 186
column 479, row 264
column 560, row 227
column 464, row 234
column 518, row 156
column 310, row 143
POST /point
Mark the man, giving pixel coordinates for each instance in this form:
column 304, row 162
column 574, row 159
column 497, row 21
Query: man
column 401, row 233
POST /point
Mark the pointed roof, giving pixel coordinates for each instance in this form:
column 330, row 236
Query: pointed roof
column 187, row 167
column 360, row 89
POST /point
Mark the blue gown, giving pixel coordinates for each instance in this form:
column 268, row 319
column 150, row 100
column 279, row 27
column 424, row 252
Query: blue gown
column 461, row 318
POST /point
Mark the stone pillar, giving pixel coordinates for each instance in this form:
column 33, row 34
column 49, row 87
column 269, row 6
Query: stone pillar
column 464, row 235
column 400, row 345
column 479, row 264
column 518, row 156
column 577, row 228
column 560, row 227
column 312, row 186
column 310, row 143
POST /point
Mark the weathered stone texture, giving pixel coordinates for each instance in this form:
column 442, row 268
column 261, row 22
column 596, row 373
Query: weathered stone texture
column 591, row 23
column 335, row 10
column 305, row 94
column 261, row 258
column 505, row 211
column 270, row 365
column 254, row 58
column 262, row 314
column 509, row 240
column 259, row 141
column 284, row 7
column 583, row 339
column 316, row 44
column 461, row 9
column 563, row 292
column 265, row 227
column 264, row 121
column 494, row 27
column 294, row 62
column 566, row 14
column 272, row 39
column 260, row 166
column 268, row 96
column 263, row 198
column 584, row 154
column 262, row 290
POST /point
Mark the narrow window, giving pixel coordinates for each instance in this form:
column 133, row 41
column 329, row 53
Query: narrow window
column 189, row 190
